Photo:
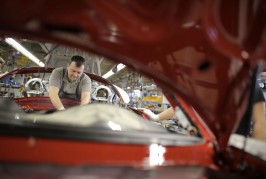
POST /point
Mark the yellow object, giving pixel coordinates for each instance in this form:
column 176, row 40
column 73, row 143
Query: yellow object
column 153, row 98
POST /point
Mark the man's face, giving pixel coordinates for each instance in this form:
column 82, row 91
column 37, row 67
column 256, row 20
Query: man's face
column 74, row 72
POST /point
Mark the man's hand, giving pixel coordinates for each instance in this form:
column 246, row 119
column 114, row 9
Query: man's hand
column 53, row 94
column 150, row 114
column 85, row 98
column 61, row 109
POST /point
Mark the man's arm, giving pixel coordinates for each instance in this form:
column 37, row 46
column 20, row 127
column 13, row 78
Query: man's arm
column 167, row 114
column 86, row 89
column 259, row 127
column 53, row 94
column 85, row 98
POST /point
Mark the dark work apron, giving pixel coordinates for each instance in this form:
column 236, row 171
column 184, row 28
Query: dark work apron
column 63, row 94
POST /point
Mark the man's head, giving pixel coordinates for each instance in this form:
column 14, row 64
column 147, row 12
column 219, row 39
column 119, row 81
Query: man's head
column 75, row 68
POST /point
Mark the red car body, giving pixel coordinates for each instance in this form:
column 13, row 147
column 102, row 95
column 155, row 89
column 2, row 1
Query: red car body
column 203, row 52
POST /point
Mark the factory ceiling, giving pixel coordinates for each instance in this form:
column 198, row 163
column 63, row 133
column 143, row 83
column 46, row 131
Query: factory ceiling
column 14, row 59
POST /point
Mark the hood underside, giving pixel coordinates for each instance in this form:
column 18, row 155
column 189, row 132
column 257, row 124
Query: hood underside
column 203, row 51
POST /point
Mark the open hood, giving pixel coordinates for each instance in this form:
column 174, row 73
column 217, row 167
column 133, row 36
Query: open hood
column 202, row 51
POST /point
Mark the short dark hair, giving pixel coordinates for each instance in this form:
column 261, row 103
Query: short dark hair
column 78, row 59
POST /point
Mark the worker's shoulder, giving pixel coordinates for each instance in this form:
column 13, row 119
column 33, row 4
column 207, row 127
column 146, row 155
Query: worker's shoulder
column 58, row 70
column 85, row 78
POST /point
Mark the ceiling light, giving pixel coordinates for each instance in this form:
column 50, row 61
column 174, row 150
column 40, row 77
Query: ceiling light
column 120, row 66
column 24, row 51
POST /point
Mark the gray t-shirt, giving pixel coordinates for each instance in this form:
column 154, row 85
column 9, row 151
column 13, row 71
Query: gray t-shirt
column 70, row 88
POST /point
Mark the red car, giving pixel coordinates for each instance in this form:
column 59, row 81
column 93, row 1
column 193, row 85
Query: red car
column 203, row 54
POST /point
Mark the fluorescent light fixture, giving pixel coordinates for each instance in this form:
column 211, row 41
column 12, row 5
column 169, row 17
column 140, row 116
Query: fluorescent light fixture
column 24, row 51
column 120, row 66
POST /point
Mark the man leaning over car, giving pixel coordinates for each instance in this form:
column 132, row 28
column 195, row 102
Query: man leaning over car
column 70, row 83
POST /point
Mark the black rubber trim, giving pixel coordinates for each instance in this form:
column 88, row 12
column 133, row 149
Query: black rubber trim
column 22, row 128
